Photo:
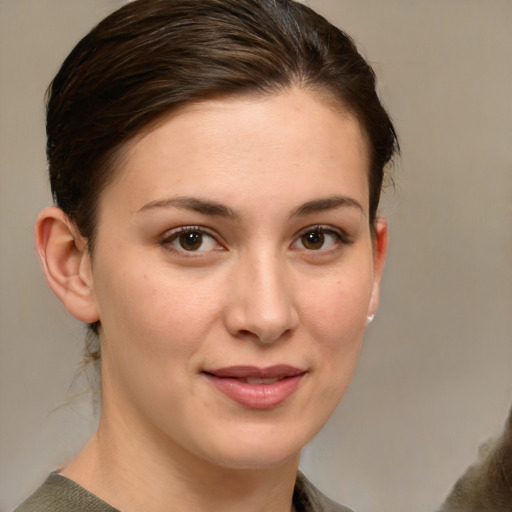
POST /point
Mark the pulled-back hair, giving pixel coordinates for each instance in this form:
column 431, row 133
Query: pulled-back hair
column 152, row 56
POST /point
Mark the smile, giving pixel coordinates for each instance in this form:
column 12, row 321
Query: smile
column 256, row 388
column 256, row 380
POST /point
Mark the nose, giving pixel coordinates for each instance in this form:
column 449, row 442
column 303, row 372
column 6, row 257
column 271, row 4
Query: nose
column 261, row 306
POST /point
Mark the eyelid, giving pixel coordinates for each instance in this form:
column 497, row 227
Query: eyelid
column 172, row 234
column 325, row 228
column 341, row 235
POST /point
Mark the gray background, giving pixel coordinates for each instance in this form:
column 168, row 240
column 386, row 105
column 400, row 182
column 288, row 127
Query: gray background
column 435, row 377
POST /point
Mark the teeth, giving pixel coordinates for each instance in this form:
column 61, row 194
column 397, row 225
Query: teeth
column 256, row 380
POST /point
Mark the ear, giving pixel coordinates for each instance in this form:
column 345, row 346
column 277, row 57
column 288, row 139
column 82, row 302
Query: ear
column 66, row 263
column 380, row 249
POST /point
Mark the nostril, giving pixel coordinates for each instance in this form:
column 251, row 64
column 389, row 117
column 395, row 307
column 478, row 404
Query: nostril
column 263, row 308
column 264, row 336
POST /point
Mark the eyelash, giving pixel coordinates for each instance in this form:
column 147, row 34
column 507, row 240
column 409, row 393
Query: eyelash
column 340, row 236
column 173, row 236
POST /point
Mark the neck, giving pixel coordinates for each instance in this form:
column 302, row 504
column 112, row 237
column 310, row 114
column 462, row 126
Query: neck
column 132, row 472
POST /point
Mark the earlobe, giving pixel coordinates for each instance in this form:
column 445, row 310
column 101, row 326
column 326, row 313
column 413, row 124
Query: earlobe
column 66, row 263
column 380, row 249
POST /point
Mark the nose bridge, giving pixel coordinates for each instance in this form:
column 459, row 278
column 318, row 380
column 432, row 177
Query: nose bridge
column 264, row 305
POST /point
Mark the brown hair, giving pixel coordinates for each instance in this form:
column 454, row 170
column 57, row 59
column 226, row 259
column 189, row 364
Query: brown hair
column 152, row 56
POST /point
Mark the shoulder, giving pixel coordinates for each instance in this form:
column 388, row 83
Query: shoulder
column 487, row 484
column 59, row 494
column 307, row 498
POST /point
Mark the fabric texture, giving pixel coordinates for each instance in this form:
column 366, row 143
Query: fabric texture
column 486, row 486
column 59, row 494
column 307, row 498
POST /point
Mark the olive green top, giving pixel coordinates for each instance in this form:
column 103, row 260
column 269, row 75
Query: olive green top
column 486, row 486
column 59, row 494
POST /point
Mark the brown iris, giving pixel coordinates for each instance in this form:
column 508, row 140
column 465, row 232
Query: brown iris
column 191, row 241
column 313, row 240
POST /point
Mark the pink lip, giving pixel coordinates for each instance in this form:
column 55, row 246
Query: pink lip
column 232, row 381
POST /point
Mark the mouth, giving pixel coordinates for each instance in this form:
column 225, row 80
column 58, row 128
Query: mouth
column 257, row 380
column 256, row 388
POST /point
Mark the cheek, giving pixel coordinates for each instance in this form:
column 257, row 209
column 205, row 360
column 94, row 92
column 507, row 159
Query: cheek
column 154, row 326
column 337, row 315
column 157, row 315
column 335, row 319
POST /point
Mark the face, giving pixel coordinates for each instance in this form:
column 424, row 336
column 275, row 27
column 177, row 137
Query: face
column 233, row 274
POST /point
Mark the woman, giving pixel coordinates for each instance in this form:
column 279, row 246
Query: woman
column 216, row 168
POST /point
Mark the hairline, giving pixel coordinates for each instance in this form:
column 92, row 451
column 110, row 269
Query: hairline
column 118, row 155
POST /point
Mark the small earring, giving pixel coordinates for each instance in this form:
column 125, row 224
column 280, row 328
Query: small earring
column 369, row 319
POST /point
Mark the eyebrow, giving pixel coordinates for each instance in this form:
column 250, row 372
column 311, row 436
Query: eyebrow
column 206, row 207
column 213, row 208
column 327, row 203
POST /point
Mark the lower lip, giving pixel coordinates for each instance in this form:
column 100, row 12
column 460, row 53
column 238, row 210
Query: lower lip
column 257, row 396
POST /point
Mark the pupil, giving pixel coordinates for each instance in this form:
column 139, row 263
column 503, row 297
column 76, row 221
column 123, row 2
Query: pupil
column 313, row 240
column 191, row 241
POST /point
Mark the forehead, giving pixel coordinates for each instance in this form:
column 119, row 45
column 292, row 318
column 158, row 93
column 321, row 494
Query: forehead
column 295, row 137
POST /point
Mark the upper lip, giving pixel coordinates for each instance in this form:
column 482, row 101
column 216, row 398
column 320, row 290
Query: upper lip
column 269, row 372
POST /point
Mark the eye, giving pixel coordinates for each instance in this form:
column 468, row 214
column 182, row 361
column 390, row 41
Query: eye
column 190, row 239
column 319, row 238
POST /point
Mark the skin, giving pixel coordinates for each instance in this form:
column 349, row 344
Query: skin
column 254, row 177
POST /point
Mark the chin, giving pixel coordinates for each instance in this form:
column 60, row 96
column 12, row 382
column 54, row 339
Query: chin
column 257, row 459
column 259, row 448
